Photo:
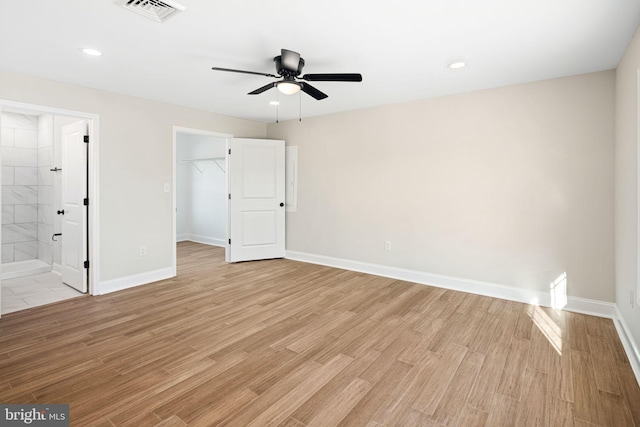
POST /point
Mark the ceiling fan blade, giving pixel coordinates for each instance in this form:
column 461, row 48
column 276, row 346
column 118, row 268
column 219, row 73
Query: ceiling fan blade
column 290, row 59
column 333, row 77
column 263, row 89
column 243, row 72
column 310, row 90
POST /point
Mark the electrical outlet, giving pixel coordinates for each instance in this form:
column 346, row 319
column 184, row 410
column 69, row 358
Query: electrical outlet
column 387, row 245
column 143, row 250
column 167, row 187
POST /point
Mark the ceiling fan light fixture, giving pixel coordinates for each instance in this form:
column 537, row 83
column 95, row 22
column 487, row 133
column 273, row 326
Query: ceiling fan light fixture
column 288, row 88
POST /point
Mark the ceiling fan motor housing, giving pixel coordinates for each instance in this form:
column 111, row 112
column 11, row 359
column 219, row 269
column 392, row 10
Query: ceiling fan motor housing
column 282, row 71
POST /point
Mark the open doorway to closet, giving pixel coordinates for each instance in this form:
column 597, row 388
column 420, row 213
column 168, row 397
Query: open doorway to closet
column 45, row 214
column 201, row 187
column 229, row 192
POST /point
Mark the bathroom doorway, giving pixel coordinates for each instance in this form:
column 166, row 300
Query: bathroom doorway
column 34, row 250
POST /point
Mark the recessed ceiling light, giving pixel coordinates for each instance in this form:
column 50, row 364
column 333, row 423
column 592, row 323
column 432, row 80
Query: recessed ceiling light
column 457, row 64
column 274, row 103
column 91, row 52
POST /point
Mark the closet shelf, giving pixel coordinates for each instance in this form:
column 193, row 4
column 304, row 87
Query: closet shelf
column 201, row 163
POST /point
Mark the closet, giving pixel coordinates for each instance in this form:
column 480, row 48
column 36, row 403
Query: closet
column 201, row 209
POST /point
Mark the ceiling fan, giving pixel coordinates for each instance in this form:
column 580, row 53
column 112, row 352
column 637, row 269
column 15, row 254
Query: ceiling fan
column 289, row 66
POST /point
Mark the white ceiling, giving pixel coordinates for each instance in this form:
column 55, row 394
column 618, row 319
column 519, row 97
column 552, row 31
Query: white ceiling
column 402, row 47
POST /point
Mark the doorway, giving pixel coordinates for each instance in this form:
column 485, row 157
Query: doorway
column 200, row 183
column 242, row 196
column 34, row 252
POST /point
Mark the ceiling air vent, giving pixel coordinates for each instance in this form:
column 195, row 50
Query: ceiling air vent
column 154, row 9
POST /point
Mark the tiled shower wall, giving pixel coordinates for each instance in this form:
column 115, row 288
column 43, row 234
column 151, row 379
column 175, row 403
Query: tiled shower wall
column 25, row 226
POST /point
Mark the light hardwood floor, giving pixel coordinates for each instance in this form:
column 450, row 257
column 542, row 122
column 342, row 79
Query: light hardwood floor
column 285, row 343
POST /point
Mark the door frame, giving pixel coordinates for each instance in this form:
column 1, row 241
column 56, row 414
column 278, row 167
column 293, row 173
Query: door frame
column 93, row 121
column 189, row 131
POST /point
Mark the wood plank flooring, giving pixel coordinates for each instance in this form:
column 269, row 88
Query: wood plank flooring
column 291, row 344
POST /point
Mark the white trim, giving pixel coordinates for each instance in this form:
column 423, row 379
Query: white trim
column 591, row 307
column 190, row 131
column 206, row 240
column 57, row 268
column 227, row 251
column 93, row 190
column 637, row 118
column 630, row 346
column 127, row 282
column 0, row 227
column 94, row 201
column 575, row 304
column 291, row 177
column 528, row 296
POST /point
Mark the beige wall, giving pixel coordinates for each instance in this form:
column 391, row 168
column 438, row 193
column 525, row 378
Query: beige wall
column 626, row 179
column 512, row 186
column 135, row 160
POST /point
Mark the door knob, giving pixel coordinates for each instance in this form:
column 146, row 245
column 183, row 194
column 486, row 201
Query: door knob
column 61, row 212
column 281, row 204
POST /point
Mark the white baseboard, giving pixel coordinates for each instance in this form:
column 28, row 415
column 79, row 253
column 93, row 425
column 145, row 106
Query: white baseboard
column 182, row 237
column 205, row 240
column 629, row 344
column 121, row 283
column 575, row 304
column 528, row 296
column 57, row 268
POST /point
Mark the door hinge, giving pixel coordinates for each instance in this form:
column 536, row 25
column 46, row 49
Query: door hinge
column 229, row 241
column 229, row 196
column 85, row 202
column 86, row 138
column 229, row 150
column 86, row 264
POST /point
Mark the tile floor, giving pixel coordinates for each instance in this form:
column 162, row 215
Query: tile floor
column 31, row 291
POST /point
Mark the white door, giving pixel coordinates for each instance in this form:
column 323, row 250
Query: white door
column 256, row 182
column 74, row 217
